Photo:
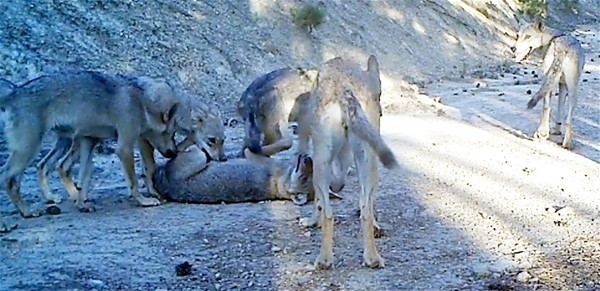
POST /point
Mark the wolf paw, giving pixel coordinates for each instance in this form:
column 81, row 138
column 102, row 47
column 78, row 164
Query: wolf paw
column 540, row 135
column 27, row 213
column 53, row 199
column 567, row 145
column 6, row 227
column 86, row 207
column 324, row 262
column 148, row 202
column 308, row 222
column 154, row 193
column 373, row 261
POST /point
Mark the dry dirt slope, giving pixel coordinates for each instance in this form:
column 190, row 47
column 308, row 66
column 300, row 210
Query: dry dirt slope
column 215, row 48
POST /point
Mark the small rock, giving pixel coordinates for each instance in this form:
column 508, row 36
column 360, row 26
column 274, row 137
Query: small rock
column 523, row 277
column 529, row 92
column 275, row 249
column 95, row 283
column 480, row 269
column 53, row 210
column 307, row 234
column 567, row 210
column 183, row 269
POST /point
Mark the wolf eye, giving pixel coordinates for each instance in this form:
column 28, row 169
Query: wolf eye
column 212, row 140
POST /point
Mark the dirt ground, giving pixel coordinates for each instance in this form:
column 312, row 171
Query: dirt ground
column 477, row 205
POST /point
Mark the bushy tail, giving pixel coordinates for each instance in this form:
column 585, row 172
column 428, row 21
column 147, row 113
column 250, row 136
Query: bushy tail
column 253, row 133
column 363, row 129
column 550, row 81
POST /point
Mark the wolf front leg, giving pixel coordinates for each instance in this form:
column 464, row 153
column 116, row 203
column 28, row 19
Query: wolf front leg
column 6, row 227
column 148, row 163
column 125, row 152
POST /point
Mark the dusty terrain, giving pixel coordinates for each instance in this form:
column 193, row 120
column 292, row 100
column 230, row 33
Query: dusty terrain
column 477, row 205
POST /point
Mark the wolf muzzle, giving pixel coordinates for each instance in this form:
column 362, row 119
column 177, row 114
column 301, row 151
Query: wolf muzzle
column 170, row 154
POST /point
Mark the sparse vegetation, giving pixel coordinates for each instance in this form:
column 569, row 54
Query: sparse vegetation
column 307, row 17
column 536, row 9
column 569, row 5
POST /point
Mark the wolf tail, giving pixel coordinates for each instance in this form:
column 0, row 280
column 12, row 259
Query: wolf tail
column 551, row 78
column 253, row 132
column 363, row 129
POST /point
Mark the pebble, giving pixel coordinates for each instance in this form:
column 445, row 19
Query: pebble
column 275, row 249
column 95, row 283
column 523, row 276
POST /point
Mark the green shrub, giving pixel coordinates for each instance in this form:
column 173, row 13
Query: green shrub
column 307, row 17
column 536, row 9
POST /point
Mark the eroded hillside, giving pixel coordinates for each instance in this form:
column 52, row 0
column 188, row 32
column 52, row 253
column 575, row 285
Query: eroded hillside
column 215, row 48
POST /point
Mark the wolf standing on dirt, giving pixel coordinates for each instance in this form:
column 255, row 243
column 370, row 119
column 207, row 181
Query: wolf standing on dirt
column 343, row 122
column 206, row 129
column 266, row 104
column 562, row 65
column 85, row 104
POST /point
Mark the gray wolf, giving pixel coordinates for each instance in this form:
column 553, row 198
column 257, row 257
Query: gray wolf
column 562, row 65
column 83, row 104
column 266, row 104
column 343, row 122
column 192, row 178
column 206, row 127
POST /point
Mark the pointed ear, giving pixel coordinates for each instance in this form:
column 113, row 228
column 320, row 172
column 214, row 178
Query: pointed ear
column 169, row 118
column 372, row 64
column 307, row 166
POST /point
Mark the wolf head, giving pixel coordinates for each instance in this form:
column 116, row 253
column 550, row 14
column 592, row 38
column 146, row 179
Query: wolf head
column 299, row 184
column 164, row 140
column 207, row 129
column 531, row 37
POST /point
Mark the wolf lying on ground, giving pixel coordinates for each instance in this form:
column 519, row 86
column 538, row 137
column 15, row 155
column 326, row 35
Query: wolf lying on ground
column 343, row 116
column 266, row 104
column 192, row 178
column 82, row 104
column 562, row 65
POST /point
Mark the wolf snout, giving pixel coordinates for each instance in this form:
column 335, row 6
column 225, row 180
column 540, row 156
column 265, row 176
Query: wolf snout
column 513, row 49
column 170, row 154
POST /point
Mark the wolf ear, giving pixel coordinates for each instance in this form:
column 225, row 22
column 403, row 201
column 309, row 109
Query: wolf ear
column 307, row 166
column 372, row 64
